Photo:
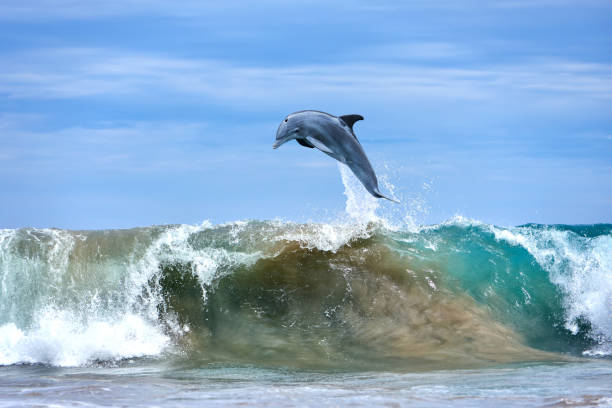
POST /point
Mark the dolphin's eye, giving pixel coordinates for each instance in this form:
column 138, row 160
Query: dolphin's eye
column 286, row 120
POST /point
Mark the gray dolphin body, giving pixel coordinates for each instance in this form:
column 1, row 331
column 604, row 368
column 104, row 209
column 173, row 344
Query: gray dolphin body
column 334, row 136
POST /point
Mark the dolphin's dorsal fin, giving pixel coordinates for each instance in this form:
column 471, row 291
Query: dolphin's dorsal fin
column 350, row 120
column 304, row 143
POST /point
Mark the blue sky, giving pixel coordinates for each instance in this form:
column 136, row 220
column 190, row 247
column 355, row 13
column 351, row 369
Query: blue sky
column 117, row 114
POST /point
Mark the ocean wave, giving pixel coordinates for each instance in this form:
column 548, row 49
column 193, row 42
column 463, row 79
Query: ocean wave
column 462, row 291
column 358, row 290
column 581, row 267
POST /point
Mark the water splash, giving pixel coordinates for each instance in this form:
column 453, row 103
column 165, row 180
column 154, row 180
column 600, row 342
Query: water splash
column 360, row 206
column 57, row 338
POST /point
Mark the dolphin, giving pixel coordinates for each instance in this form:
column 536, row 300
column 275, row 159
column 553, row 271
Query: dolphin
column 334, row 136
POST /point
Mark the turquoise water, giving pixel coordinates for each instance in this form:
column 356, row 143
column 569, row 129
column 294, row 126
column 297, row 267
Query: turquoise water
column 356, row 310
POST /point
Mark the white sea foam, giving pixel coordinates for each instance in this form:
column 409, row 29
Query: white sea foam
column 581, row 267
column 57, row 338
column 49, row 317
column 52, row 317
column 326, row 237
column 360, row 222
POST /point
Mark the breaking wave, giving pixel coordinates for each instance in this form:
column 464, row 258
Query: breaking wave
column 358, row 291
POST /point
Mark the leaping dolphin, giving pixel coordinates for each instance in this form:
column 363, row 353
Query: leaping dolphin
column 333, row 136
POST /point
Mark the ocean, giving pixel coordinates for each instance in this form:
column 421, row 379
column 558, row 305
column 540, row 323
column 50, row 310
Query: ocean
column 358, row 311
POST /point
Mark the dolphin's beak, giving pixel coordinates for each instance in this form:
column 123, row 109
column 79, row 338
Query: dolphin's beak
column 283, row 135
column 280, row 141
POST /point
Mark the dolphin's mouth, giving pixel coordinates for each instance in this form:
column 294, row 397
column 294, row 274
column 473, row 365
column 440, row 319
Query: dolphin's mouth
column 279, row 142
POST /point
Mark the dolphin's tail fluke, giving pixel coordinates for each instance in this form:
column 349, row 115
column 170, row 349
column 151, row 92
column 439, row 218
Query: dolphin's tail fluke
column 390, row 199
column 378, row 194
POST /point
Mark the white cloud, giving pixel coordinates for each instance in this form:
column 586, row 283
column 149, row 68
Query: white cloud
column 76, row 9
column 96, row 9
column 75, row 73
column 133, row 147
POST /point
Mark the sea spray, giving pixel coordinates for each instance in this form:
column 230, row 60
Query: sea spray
column 360, row 206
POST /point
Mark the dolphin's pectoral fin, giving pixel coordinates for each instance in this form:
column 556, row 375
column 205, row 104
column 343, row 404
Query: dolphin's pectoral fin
column 304, row 143
column 315, row 143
